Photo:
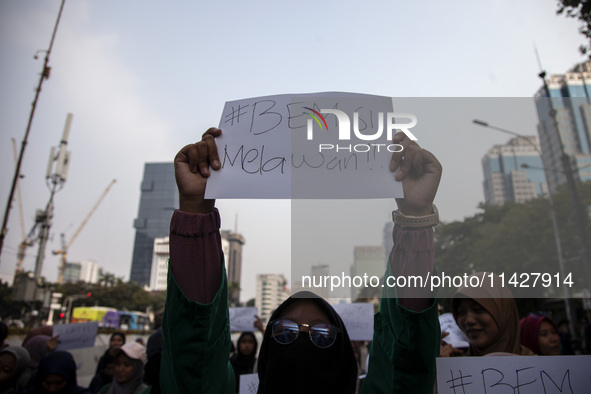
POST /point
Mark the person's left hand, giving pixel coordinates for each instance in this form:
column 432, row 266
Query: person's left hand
column 420, row 173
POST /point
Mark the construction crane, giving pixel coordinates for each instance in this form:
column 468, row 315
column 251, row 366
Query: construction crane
column 66, row 246
column 26, row 242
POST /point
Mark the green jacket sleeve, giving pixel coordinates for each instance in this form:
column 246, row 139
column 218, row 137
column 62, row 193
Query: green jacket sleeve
column 196, row 343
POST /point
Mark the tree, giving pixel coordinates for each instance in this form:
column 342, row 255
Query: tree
column 8, row 307
column 514, row 238
column 118, row 294
column 581, row 10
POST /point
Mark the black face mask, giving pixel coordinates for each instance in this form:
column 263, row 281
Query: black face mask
column 300, row 367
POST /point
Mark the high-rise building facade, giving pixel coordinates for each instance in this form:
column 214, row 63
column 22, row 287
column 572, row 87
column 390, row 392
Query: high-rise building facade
column 564, row 113
column 271, row 291
column 370, row 261
column 158, row 200
column 85, row 271
column 233, row 257
column 159, row 271
column 514, row 171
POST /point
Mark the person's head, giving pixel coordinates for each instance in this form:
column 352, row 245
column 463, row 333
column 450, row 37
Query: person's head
column 129, row 363
column 563, row 327
column 154, row 355
column 488, row 315
column 540, row 334
column 306, row 348
column 56, row 373
column 7, row 366
column 37, row 348
column 247, row 344
column 117, row 339
column 107, row 365
column 479, row 325
column 13, row 361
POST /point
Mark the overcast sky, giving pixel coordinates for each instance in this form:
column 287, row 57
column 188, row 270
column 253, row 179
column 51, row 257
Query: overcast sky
column 143, row 78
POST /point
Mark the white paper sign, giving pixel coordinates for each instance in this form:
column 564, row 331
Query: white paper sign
column 242, row 319
column 518, row 374
column 76, row 335
column 249, row 384
column 318, row 145
column 358, row 319
column 456, row 336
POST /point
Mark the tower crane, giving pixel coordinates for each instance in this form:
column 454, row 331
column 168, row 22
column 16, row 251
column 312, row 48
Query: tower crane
column 26, row 242
column 65, row 246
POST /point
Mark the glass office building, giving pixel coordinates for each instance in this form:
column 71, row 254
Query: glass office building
column 564, row 111
column 513, row 172
column 158, row 199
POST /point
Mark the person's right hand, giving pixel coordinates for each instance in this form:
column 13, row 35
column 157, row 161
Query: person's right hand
column 191, row 170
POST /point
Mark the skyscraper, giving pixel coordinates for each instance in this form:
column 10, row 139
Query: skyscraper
column 158, row 200
column 368, row 261
column 505, row 178
column 270, row 293
column 159, row 270
column 233, row 257
column 564, row 112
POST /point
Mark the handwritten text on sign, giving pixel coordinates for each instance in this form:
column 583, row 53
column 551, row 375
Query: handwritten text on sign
column 321, row 145
column 358, row 319
column 517, row 374
column 75, row 335
column 242, row 319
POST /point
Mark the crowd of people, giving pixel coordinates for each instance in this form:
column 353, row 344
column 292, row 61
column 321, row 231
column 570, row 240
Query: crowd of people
column 305, row 346
column 38, row 367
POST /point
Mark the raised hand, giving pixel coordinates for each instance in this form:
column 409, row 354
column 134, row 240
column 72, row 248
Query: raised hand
column 191, row 170
column 420, row 173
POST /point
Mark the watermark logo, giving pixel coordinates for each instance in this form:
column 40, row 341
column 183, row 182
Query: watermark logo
column 315, row 115
column 391, row 120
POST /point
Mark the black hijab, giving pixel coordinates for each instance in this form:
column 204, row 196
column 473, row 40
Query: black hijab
column 244, row 363
column 59, row 363
column 301, row 366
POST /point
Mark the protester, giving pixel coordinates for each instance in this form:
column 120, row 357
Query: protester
column 38, row 346
column 105, row 368
column 305, row 348
column 540, row 334
column 13, row 362
column 129, row 370
column 117, row 339
column 56, row 374
column 106, row 371
column 244, row 360
column 286, row 352
column 566, row 343
column 42, row 330
column 488, row 315
column 152, row 367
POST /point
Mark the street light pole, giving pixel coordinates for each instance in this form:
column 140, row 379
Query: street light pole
column 579, row 214
column 565, row 289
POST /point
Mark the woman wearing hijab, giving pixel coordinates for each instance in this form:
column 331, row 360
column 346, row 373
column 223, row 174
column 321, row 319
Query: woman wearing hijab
column 540, row 334
column 105, row 368
column 13, row 362
column 129, row 370
column 489, row 317
column 243, row 361
column 323, row 356
column 56, row 374
column 305, row 348
column 38, row 347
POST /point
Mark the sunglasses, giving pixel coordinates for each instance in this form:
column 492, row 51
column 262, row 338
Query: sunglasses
column 322, row 335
